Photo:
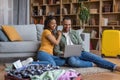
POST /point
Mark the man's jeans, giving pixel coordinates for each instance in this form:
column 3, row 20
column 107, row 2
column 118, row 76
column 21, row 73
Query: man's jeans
column 86, row 59
column 50, row 59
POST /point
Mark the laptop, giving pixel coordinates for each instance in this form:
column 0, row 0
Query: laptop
column 72, row 50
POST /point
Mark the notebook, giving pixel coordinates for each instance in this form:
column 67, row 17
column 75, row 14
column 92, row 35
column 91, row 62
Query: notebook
column 72, row 50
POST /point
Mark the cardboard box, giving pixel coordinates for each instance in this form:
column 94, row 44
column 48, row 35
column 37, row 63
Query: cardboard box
column 93, row 0
column 93, row 10
column 113, row 23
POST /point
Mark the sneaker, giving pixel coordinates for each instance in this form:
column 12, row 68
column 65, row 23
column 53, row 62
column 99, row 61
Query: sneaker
column 27, row 61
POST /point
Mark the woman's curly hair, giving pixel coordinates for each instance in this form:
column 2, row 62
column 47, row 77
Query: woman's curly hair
column 47, row 21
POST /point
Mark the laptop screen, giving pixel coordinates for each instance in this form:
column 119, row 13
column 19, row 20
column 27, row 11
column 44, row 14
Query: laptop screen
column 72, row 50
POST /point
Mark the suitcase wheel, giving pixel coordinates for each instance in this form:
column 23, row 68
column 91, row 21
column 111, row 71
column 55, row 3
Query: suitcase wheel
column 118, row 56
column 102, row 55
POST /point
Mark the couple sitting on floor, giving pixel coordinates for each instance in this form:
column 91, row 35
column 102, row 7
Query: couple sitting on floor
column 52, row 42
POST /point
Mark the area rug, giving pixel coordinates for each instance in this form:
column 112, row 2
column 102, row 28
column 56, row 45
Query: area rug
column 88, row 71
column 83, row 71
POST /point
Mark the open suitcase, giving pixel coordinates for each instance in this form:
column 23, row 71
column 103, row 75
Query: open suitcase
column 111, row 43
column 7, row 77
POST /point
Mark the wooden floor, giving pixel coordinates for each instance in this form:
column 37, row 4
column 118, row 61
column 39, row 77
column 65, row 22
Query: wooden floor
column 99, row 76
column 107, row 75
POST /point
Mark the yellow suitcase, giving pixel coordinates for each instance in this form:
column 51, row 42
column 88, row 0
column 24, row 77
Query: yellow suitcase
column 111, row 43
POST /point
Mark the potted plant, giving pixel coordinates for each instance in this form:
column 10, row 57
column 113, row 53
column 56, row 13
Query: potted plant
column 84, row 14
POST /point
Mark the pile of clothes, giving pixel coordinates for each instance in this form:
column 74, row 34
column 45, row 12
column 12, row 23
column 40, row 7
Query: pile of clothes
column 44, row 72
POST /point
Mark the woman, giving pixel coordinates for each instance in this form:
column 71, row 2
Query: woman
column 48, row 41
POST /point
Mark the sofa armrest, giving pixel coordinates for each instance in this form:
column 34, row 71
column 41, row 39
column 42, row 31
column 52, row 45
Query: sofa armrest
column 86, row 41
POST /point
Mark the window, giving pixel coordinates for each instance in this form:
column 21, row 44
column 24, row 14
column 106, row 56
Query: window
column 14, row 12
column 6, row 11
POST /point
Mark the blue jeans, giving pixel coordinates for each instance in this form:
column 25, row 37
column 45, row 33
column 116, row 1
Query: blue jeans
column 50, row 59
column 86, row 59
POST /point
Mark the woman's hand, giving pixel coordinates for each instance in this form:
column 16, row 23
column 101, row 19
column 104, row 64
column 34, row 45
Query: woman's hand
column 59, row 33
column 52, row 38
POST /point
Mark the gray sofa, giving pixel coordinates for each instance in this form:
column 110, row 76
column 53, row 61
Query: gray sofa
column 31, row 41
column 28, row 47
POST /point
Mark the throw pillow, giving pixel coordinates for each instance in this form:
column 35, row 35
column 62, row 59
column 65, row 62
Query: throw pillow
column 11, row 32
column 3, row 37
column 79, row 31
column 39, row 31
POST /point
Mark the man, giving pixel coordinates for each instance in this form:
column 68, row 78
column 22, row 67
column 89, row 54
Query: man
column 86, row 59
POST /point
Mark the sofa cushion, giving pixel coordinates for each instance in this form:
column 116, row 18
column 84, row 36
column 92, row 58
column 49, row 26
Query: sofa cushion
column 27, row 32
column 11, row 33
column 24, row 46
column 3, row 37
column 16, row 55
column 39, row 28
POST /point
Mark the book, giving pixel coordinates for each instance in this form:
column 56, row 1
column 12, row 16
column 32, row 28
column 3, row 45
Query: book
column 35, row 10
column 40, row 12
column 65, row 11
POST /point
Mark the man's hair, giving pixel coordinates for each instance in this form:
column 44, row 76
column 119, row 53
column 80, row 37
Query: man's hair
column 66, row 18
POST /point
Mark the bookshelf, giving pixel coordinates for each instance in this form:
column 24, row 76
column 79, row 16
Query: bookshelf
column 104, row 14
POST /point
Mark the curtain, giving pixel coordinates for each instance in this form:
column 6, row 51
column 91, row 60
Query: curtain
column 14, row 12
column 21, row 12
column 6, row 11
